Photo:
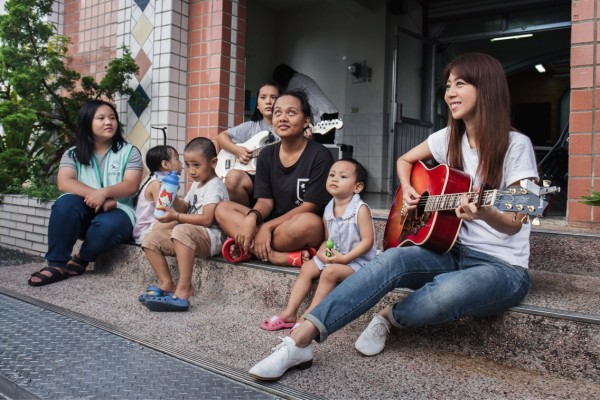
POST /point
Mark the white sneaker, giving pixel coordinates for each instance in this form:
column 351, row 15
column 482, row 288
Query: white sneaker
column 285, row 355
column 372, row 340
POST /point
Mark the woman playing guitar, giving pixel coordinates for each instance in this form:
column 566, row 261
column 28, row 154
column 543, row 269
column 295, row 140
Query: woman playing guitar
column 485, row 270
column 239, row 183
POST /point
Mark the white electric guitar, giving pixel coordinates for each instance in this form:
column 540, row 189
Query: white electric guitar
column 226, row 161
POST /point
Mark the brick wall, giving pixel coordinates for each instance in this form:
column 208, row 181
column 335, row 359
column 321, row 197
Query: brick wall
column 216, row 66
column 584, row 142
column 24, row 224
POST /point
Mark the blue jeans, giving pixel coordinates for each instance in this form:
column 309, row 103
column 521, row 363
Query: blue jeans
column 71, row 219
column 461, row 282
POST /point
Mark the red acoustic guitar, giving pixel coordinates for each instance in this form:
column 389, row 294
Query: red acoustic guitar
column 433, row 223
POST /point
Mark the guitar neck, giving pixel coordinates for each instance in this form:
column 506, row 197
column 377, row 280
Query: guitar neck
column 447, row 202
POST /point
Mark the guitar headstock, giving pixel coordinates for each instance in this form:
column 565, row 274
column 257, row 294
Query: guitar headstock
column 528, row 198
column 325, row 126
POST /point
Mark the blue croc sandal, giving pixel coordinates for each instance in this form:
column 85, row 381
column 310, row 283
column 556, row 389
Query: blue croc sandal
column 152, row 291
column 167, row 303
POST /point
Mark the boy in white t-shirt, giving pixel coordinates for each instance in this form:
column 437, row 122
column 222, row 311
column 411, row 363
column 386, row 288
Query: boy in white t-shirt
column 186, row 233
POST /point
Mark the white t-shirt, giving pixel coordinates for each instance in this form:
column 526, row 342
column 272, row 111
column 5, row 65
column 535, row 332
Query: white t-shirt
column 519, row 163
column 213, row 192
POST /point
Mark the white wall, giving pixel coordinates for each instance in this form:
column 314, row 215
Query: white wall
column 24, row 224
column 321, row 41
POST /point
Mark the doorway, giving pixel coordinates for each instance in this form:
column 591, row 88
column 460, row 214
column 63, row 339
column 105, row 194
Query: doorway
column 523, row 35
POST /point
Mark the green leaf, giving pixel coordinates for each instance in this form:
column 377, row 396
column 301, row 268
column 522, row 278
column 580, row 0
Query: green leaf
column 592, row 200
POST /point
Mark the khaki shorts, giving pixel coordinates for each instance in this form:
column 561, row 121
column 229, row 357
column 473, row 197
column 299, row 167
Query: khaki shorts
column 160, row 238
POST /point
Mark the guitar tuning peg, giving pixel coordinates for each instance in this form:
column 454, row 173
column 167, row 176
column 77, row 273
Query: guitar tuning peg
column 535, row 221
column 525, row 219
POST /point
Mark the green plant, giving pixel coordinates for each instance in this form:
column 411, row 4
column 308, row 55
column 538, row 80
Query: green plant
column 40, row 95
column 20, row 175
column 592, row 200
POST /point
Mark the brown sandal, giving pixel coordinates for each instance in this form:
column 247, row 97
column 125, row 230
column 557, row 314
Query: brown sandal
column 55, row 276
column 76, row 265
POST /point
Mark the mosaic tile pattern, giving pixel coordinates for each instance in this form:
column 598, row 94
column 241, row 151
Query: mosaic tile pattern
column 142, row 4
column 139, row 104
column 156, row 34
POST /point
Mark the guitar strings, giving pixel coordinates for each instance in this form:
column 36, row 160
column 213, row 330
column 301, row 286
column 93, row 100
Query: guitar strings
column 450, row 201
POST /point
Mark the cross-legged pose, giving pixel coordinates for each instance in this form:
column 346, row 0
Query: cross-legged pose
column 284, row 226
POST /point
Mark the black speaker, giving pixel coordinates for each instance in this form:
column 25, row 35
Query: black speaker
column 340, row 151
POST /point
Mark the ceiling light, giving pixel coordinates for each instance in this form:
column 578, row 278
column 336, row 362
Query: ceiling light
column 540, row 68
column 496, row 39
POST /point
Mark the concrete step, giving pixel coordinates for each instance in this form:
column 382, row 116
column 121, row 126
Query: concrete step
column 556, row 329
column 515, row 355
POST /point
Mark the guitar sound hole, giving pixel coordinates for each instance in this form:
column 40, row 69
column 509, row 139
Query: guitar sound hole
column 420, row 210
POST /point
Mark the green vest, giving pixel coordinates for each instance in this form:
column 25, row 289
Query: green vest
column 114, row 168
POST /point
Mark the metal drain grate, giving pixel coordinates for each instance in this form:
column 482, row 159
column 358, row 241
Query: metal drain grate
column 51, row 355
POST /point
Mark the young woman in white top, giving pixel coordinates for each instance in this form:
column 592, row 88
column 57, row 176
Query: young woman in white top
column 485, row 271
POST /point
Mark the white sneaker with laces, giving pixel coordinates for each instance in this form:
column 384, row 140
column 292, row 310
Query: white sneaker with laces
column 372, row 340
column 285, row 355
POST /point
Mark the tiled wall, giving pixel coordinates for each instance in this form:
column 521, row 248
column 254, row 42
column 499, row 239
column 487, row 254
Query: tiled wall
column 584, row 141
column 156, row 34
column 24, row 224
column 92, row 29
column 57, row 17
column 367, row 134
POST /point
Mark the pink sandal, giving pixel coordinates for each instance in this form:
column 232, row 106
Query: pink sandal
column 275, row 323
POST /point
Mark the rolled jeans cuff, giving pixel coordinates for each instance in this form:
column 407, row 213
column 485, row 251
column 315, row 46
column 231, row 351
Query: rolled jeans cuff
column 320, row 327
column 390, row 317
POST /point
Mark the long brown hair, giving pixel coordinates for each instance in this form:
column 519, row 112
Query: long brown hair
column 492, row 115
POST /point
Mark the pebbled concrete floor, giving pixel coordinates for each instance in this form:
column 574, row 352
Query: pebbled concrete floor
column 226, row 330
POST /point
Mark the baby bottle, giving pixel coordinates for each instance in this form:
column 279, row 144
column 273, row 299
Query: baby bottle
column 167, row 193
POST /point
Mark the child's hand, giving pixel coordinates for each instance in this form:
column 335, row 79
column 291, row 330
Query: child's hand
column 109, row 204
column 170, row 215
column 335, row 258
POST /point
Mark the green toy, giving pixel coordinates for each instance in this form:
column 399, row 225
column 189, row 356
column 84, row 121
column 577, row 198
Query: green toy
column 329, row 246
